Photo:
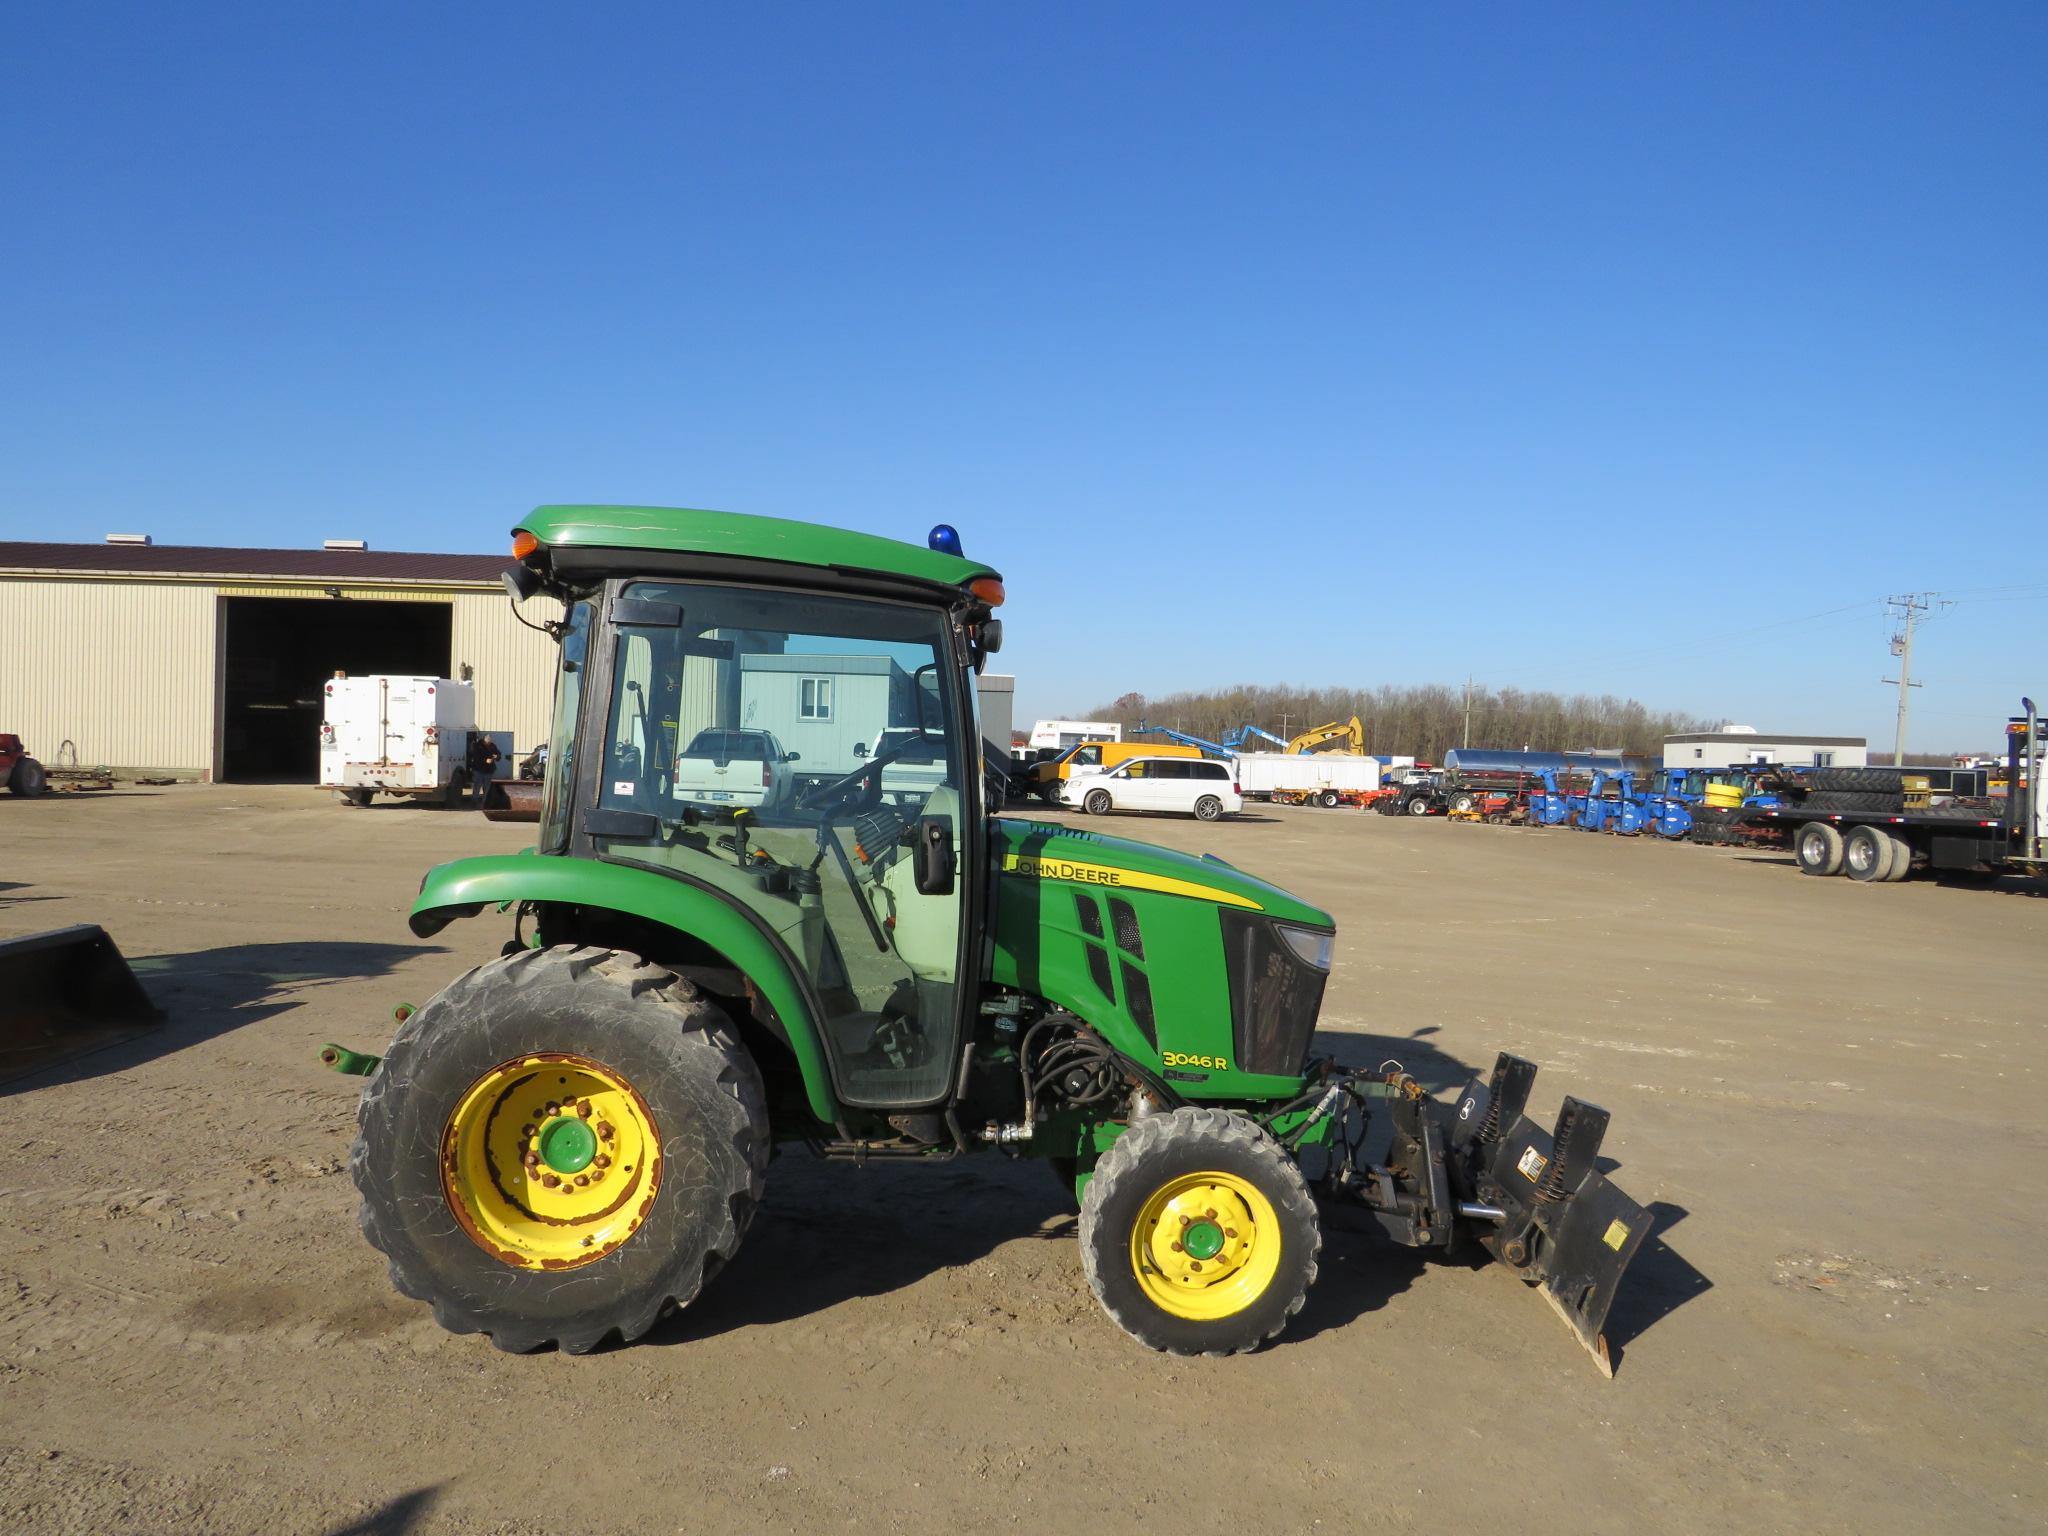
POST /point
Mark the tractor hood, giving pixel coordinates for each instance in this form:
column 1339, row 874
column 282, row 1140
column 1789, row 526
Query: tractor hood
column 1046, row 850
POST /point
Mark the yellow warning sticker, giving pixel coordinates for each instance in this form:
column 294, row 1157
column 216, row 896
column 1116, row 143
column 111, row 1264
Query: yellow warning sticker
column 1615, row 1236
column 1128, row 879
column 1531, row 1164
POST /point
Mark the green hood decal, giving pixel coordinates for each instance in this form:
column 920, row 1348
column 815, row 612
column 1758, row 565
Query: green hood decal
column 1049, row 850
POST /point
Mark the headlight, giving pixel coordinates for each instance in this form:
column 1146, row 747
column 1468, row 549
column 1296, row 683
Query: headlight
column 1311, row 945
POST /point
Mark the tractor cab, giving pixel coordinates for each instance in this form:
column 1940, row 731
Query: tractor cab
column 805, row 750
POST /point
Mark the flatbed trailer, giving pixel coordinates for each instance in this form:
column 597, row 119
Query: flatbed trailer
column 1887, row 845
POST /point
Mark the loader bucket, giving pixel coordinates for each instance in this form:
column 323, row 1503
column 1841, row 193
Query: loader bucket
column 64, row 993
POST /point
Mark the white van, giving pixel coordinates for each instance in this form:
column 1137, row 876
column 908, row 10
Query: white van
column 1187, row 786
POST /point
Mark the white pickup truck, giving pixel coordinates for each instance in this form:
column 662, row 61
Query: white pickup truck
column 735, row 769
column 919, row 766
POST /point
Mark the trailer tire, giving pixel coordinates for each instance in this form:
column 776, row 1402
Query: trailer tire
column 1818, row 848
column 1208, row 808
column 1327, row 799
column 1096, row 802
column 1867, row 854
column 1902, row 857
column 1265, row 1269
column 430, row 1117
column 1852, row 800
column 28, row 778
column 1855, row 780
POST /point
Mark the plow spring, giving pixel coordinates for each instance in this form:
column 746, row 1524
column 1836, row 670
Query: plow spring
column 1534, row 1199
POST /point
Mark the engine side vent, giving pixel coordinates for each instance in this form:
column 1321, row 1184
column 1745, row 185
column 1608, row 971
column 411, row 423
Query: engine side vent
column 1098, row 967
column 1090, row 913
column 1138, row 998
column 1128, row 937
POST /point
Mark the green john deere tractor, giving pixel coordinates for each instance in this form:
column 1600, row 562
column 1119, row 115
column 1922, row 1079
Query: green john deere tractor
column 773, row 900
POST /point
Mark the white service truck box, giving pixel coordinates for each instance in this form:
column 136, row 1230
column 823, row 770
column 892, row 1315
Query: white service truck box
column 383, row 735
column 1265, row 774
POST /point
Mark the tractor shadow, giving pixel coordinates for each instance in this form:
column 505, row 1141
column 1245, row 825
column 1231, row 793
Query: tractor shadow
column 1658, row 1283
column 209, row 992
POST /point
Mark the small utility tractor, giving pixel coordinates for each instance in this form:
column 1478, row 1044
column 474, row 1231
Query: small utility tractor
column 570, row 1141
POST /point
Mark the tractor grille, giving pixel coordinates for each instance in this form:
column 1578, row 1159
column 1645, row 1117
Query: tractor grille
column 1274, row 996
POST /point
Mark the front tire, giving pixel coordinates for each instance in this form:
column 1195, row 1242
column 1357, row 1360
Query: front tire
column 1417, row 805
column 1096, row 803
column 559, row 1147
column 1208, row 808
column 1198, row 1233
column 27, row 778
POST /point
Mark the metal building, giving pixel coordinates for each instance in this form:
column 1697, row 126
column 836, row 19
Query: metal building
column 210, row 661
column 1727, row 749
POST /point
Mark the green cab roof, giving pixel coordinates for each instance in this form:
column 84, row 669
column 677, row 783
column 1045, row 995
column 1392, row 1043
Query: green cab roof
column 739, row 535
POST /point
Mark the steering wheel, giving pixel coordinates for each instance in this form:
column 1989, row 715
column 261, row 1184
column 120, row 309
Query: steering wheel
column 838, row 795
column 626, row 760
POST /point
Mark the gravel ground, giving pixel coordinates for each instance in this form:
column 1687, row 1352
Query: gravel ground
column 1829, row 1092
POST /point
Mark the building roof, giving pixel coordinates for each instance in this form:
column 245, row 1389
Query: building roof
column 209, row 560
column 695, row 531
column 1768, row 738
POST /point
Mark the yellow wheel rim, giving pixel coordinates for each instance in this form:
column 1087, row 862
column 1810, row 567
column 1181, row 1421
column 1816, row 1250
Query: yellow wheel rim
column 1206, row 1246
column 550, row 1161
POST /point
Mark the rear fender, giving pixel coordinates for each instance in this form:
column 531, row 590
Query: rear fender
column 467, row 886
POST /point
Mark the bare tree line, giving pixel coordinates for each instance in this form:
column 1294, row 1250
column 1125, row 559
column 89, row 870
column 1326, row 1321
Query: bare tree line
column 1421, row 721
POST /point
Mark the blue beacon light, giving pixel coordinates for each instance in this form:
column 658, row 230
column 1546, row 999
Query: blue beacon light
column 945, row 538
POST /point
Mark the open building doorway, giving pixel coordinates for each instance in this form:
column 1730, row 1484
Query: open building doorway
column 279, row 650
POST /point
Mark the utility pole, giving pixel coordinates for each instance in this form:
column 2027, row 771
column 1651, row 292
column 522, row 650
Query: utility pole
column 1468, row 711
column 1909, row 608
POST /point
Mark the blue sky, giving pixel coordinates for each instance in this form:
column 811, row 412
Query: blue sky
column 1572, row 346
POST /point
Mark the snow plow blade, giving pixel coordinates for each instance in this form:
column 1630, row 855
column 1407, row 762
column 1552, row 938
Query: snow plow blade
column 64, row 993
column 1482, row 1170
column 1561, row 1224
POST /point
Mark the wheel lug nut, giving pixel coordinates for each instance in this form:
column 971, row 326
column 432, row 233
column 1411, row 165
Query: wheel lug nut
column 604, row 1130
column 602, row 1161
column 1185, row 1220
column 597, row 1177
column 1210, row 1213
column 582, row 1180
column 1178, row 1249
column 583, row 1109
column 532, row 1159
column 1231, row 1233
column 529, row 1130
column 1194, row 1263
column 553, row 1106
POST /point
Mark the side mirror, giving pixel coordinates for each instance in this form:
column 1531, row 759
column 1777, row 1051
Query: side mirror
column 520, row 582
column 931, row 857
column 790, row 757
column 860, row 749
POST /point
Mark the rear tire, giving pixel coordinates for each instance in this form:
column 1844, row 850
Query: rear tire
column 1097, row 802
column 1902, row 857
column 685, row 1071
column 1867, row 854
column 1416, row 805
column 1208, row 808
column 1462, row 801
column 1818, row 848
column 1264, row 1224
column 27, row 778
